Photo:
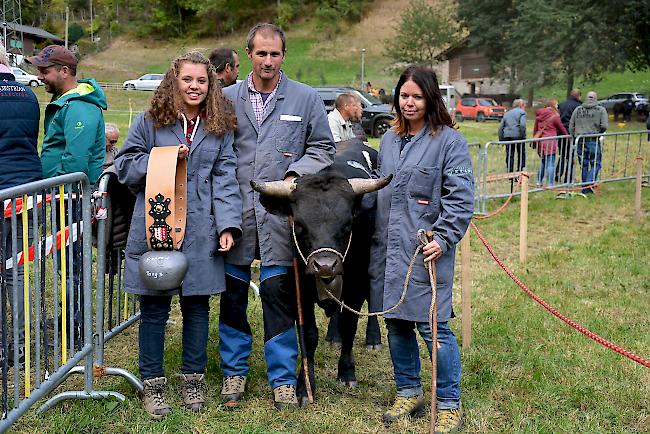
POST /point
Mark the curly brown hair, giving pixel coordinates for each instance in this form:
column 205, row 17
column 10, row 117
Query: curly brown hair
column 166, row 104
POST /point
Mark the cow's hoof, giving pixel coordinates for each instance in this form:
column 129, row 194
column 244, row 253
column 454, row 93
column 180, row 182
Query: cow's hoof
column 373, row 347
column 349, row 383
column 303, row 401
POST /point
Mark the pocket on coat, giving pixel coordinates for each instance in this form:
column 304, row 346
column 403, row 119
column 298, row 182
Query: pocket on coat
column 289, row 138
column 204, row 185
column 421, row 187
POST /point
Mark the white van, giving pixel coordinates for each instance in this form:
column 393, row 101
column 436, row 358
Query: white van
column 450, row 95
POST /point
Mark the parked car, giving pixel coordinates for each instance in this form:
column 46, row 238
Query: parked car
column 478, row 108
column 611, row 101
column 25, row 78
column 376, row 115
column 146, row 82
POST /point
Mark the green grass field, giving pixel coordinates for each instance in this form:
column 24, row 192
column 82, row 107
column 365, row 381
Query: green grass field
column 525, row 372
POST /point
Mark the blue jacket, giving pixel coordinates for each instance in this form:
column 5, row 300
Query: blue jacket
column 19, row 162
column 433, row 189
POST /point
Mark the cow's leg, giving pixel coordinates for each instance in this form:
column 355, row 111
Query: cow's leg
column 348, row 329
column 310, row 331
column 333, row 336
column 373, row 334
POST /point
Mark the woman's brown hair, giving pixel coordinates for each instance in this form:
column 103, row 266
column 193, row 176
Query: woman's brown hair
column 217, row 113
column 436, row 115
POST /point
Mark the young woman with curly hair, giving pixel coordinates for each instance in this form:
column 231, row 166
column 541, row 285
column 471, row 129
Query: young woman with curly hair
column 187, row 109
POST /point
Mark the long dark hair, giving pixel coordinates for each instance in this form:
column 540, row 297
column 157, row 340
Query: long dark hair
column 436, row 115
column 166, row 104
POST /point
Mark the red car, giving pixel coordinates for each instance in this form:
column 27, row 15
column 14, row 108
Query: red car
column 479, row 109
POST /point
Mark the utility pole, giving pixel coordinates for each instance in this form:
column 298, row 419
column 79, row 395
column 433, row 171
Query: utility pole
column 92, row 39
column 363, row 59
column 67, row 14
column 12, row 34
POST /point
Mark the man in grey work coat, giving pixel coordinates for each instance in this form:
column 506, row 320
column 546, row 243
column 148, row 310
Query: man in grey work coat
column 282, row 133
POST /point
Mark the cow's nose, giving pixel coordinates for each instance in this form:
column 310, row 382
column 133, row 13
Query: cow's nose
column 325, row 264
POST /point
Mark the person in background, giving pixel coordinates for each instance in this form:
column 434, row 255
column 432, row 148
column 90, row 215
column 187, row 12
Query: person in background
column 189, row 109
column 564, row 168
column 112, row 136
column 420, row 198
column 226, row 63
column 19, row 164
column 74, row 138
column 512, row 128
column 589, row 119
column 548, row 124
column 346, row 110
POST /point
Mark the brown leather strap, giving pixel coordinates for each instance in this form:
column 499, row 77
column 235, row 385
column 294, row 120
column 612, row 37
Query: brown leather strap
column 166, row 195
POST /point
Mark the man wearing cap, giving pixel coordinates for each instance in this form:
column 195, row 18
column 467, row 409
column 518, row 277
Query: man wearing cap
column 589, row 119
column 74, row 138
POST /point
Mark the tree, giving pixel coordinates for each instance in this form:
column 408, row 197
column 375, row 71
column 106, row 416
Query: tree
column 532, row 42
column 75, row 32
column 422, row 33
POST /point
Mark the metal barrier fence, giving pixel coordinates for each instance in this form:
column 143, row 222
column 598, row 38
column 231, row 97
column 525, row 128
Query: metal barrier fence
column 476, row 154
column 581, row 162
column 46, row 261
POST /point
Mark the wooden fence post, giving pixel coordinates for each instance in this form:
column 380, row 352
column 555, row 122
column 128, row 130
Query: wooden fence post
column 523, row 219
column 466, row 290
column 639, row 180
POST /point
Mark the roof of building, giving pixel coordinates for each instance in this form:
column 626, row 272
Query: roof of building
column 36, row 31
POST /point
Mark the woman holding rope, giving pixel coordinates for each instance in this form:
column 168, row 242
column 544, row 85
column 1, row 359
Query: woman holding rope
column 433, row 191
column 188, row 111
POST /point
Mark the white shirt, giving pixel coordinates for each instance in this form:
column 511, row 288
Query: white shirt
column 341, row 129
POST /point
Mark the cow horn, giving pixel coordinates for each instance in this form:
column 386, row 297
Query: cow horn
column 281, row 189
column 361, row 185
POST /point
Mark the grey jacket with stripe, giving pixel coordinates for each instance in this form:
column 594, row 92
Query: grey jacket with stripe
column 294, row 137
column 432, row 189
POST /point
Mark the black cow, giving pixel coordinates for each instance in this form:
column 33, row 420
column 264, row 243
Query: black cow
column 624, row 109
column 330, row 211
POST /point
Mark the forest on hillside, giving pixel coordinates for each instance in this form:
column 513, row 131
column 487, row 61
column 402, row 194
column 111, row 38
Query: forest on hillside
column 173, row 18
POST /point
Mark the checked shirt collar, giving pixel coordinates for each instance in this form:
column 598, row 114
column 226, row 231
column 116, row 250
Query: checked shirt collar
column 259, row 105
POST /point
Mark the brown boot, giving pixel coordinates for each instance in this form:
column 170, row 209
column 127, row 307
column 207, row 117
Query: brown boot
column 153, row 397
column 284, row 397
column 193, row 387
column 233, row 391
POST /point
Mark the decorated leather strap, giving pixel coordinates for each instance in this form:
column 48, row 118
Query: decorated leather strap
column 166, row 194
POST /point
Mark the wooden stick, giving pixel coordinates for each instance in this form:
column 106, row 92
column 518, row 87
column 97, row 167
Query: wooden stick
column 301, row 324
column 466, row 290
column 523, row 219
column 639, row 180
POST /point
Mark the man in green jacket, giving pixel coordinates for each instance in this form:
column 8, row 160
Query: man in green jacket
column 74, row 138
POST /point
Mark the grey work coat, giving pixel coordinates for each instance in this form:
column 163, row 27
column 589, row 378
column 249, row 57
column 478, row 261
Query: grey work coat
column 213, row 203
column 433, row 189
column 294, row 137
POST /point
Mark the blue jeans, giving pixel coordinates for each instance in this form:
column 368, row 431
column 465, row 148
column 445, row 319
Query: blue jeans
column 154, row 315
column 405, row 355
column 547, row 167
column 590, row 155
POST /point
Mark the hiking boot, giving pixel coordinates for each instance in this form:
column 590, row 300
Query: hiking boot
column 405, row 406
column 233, row 391
column 284, row 397
column 192, row 392
column 153, row 397
column 449, row 421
